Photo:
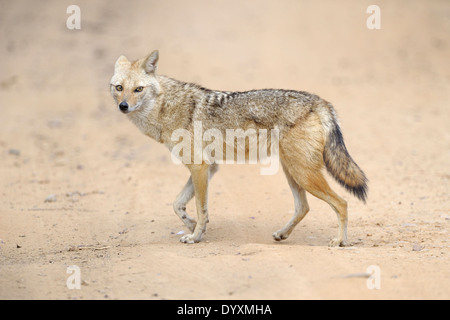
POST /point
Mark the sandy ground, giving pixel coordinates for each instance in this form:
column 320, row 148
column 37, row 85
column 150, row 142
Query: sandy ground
column 109, row 189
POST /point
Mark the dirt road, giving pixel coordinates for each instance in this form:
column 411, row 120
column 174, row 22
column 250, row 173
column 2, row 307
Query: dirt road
column 81, row 186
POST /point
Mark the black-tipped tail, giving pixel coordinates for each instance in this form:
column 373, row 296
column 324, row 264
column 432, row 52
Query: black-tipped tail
column 341, row 166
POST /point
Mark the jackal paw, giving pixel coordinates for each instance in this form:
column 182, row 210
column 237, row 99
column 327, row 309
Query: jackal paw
column 279, row 235
column 337, row 243
column 190, row 238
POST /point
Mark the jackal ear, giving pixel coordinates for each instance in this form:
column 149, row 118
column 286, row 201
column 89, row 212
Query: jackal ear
column 121, row 63
column 150, row 62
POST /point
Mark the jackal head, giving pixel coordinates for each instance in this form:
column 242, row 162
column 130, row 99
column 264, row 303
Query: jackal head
column 134, row 85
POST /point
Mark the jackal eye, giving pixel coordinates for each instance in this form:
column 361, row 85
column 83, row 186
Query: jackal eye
column 119, row 88
column 139, row 89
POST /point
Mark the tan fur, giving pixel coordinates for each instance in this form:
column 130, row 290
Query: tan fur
column 310, row 137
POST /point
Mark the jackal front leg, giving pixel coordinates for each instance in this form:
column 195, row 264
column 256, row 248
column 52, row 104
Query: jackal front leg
column 179, row 205
column 199, row 176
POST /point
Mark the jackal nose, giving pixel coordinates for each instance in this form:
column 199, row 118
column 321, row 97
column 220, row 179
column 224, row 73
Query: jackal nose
column 123, row 106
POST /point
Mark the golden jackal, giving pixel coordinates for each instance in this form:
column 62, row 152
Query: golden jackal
column 309, row 136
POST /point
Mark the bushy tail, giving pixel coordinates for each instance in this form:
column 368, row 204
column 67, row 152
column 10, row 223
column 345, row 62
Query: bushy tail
column 340, row 164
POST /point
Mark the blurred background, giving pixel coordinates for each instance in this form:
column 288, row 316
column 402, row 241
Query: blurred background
column 73, row 168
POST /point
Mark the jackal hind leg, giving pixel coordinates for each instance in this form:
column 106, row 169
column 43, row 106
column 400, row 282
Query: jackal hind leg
column 303, row 160
column 316, row 184
column 339, row 205
column 301, row 208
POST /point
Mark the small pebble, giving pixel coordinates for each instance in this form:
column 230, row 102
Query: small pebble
column 14, row 152
column 50, row 198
